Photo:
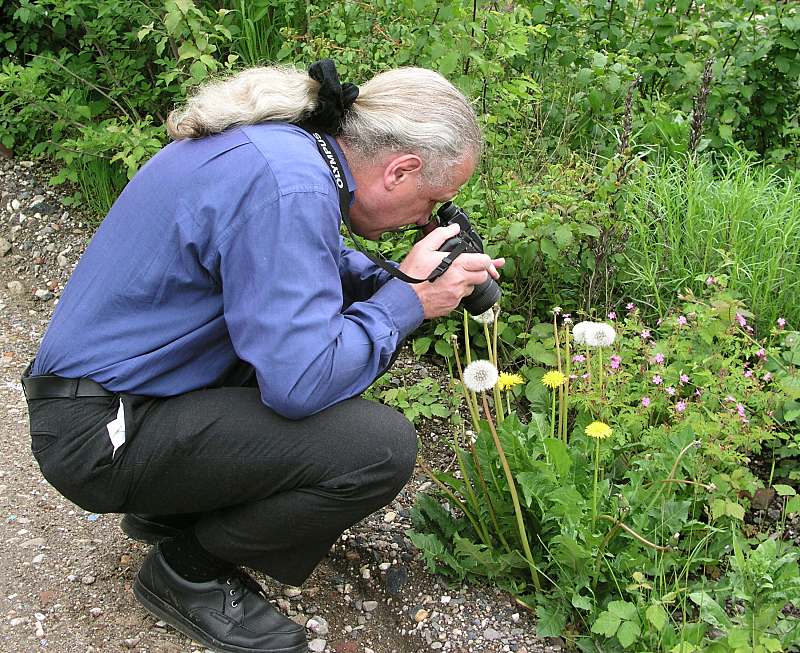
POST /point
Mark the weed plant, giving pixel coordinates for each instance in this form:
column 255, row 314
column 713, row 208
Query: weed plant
column 687, row 219
column 616, row 510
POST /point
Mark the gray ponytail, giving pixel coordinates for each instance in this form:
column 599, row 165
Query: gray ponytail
column 402, row 110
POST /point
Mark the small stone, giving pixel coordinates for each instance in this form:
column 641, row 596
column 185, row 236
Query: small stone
column 62, row 260
column 515, row 617
column 490, row 634
column 160, row 624
column 369, row 606
column 38, row 616
column 39, row 631
column 436, row 645
column 132, row 642
column 43, row 294
column 390, row 516
column 95, row 612
column 15, row 205
column 421, row 615
column 365, row 573
column 34, row 542
column 318, row 625
column 15, row 287
column 5, row 247
column 17, row 621
column 445, row 599
column 37, row 559
column 292, row 592
column 88, row 579
column 317, row 645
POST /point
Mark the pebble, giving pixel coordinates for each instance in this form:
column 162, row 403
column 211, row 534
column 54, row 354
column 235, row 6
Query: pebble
column 5, row 247
column 491, row 634
column 369, row 606
column 318, row 625
column 390, row 516
column 317, row 645
column 37, row 559
column 15, row 287
column 39, row 630
column 88, row 579
column 421, row 615
column 133, row 642
column 15, row 205
column 43, row 295
column 292, row 592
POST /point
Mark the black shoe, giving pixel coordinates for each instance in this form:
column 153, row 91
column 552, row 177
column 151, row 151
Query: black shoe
column 227, row 614
column 152, row 529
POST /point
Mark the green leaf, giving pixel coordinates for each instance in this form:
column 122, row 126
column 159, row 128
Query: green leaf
column 550, row 621
column 623, row 609
column 657, row 616
column 421, row 345
column 449, row 62
column 710, row 610
column 439, row 410
column 563, row 236
column 581, row 602
column 793, row 505
column 784, row 490
column 559, row 456
column 606, row 624
column 628, row 633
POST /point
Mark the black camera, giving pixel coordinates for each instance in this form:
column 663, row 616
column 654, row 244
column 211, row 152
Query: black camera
column 487, row 294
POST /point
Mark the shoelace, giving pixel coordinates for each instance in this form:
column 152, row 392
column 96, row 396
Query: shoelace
column 240, row 584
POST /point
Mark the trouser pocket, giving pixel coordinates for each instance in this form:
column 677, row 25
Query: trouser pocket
column 74, row 443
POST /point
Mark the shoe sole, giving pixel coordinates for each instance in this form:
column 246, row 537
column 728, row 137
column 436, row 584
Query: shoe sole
column 148, row 532
column 163, row 610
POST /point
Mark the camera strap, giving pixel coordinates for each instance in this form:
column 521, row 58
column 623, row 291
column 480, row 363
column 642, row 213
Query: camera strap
column 328, row 153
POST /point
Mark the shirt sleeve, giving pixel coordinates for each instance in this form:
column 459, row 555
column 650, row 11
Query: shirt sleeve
column 284, row 307
column 361, row 278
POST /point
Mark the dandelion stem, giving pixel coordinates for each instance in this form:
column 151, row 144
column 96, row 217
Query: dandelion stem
column 514, row 497
column 489, row 504
column 467, row 351
column 565, row 404
column 594, row 486
column 497, row 399
column 469, row 397
column 498, row 403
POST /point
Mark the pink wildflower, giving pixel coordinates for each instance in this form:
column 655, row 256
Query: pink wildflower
column 659, row 321
column 680, row 406
column 657, row 380
column 645, row 401
column 742, row 415
column 645, row 334
column 781, row 322
column 740, row 319
column 573, row 376
column 615, row 361
column 730, row 398
column 578, row 358
column 612, row 315
column 659, row 358
column 670, row 390
column 682, row 320
column 698, row 393
column 630, row 306
column 768, row 377
column 585, row 376
column 761, row 353
column 684, row 378
column 710, row 281
column 748, row 374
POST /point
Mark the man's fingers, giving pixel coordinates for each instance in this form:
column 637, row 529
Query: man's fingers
column 436, row 238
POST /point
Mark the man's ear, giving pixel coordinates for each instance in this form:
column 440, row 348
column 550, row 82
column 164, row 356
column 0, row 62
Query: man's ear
column 401, row 168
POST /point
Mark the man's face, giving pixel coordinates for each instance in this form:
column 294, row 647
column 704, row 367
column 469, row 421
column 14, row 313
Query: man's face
column 392, row 195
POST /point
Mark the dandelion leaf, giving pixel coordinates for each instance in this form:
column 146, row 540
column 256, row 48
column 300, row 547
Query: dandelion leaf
column 559, row 456
column 428, row 514
column 550, row 620
column 710, row 610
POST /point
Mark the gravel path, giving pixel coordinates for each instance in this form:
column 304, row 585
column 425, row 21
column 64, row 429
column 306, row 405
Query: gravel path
column 66, row 574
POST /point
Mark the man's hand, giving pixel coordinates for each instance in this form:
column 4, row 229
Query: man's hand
column 467, row 271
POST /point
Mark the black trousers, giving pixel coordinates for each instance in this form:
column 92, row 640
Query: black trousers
column 269, row 493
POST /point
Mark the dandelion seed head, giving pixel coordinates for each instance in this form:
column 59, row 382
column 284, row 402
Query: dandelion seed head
column 601, row 335
column 487, row 317
column 480, row 376
column 579, row 332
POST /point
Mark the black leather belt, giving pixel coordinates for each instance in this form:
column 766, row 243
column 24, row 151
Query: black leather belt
column 50, row 386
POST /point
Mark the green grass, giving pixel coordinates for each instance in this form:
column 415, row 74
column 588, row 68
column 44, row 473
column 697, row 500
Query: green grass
column 688, row 219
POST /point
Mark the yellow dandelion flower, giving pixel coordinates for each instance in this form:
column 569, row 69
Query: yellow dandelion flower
column 553, row 379
column 599, row 430
column 507, row 380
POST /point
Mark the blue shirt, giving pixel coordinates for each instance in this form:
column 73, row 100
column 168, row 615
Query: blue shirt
column 225, row 248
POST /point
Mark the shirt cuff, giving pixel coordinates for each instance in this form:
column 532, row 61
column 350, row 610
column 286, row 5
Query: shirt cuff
column 401, row 303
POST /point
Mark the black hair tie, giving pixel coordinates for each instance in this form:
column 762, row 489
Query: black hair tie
column 334, row 98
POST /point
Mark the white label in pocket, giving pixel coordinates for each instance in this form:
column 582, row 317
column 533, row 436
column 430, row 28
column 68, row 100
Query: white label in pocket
column 116, row 429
